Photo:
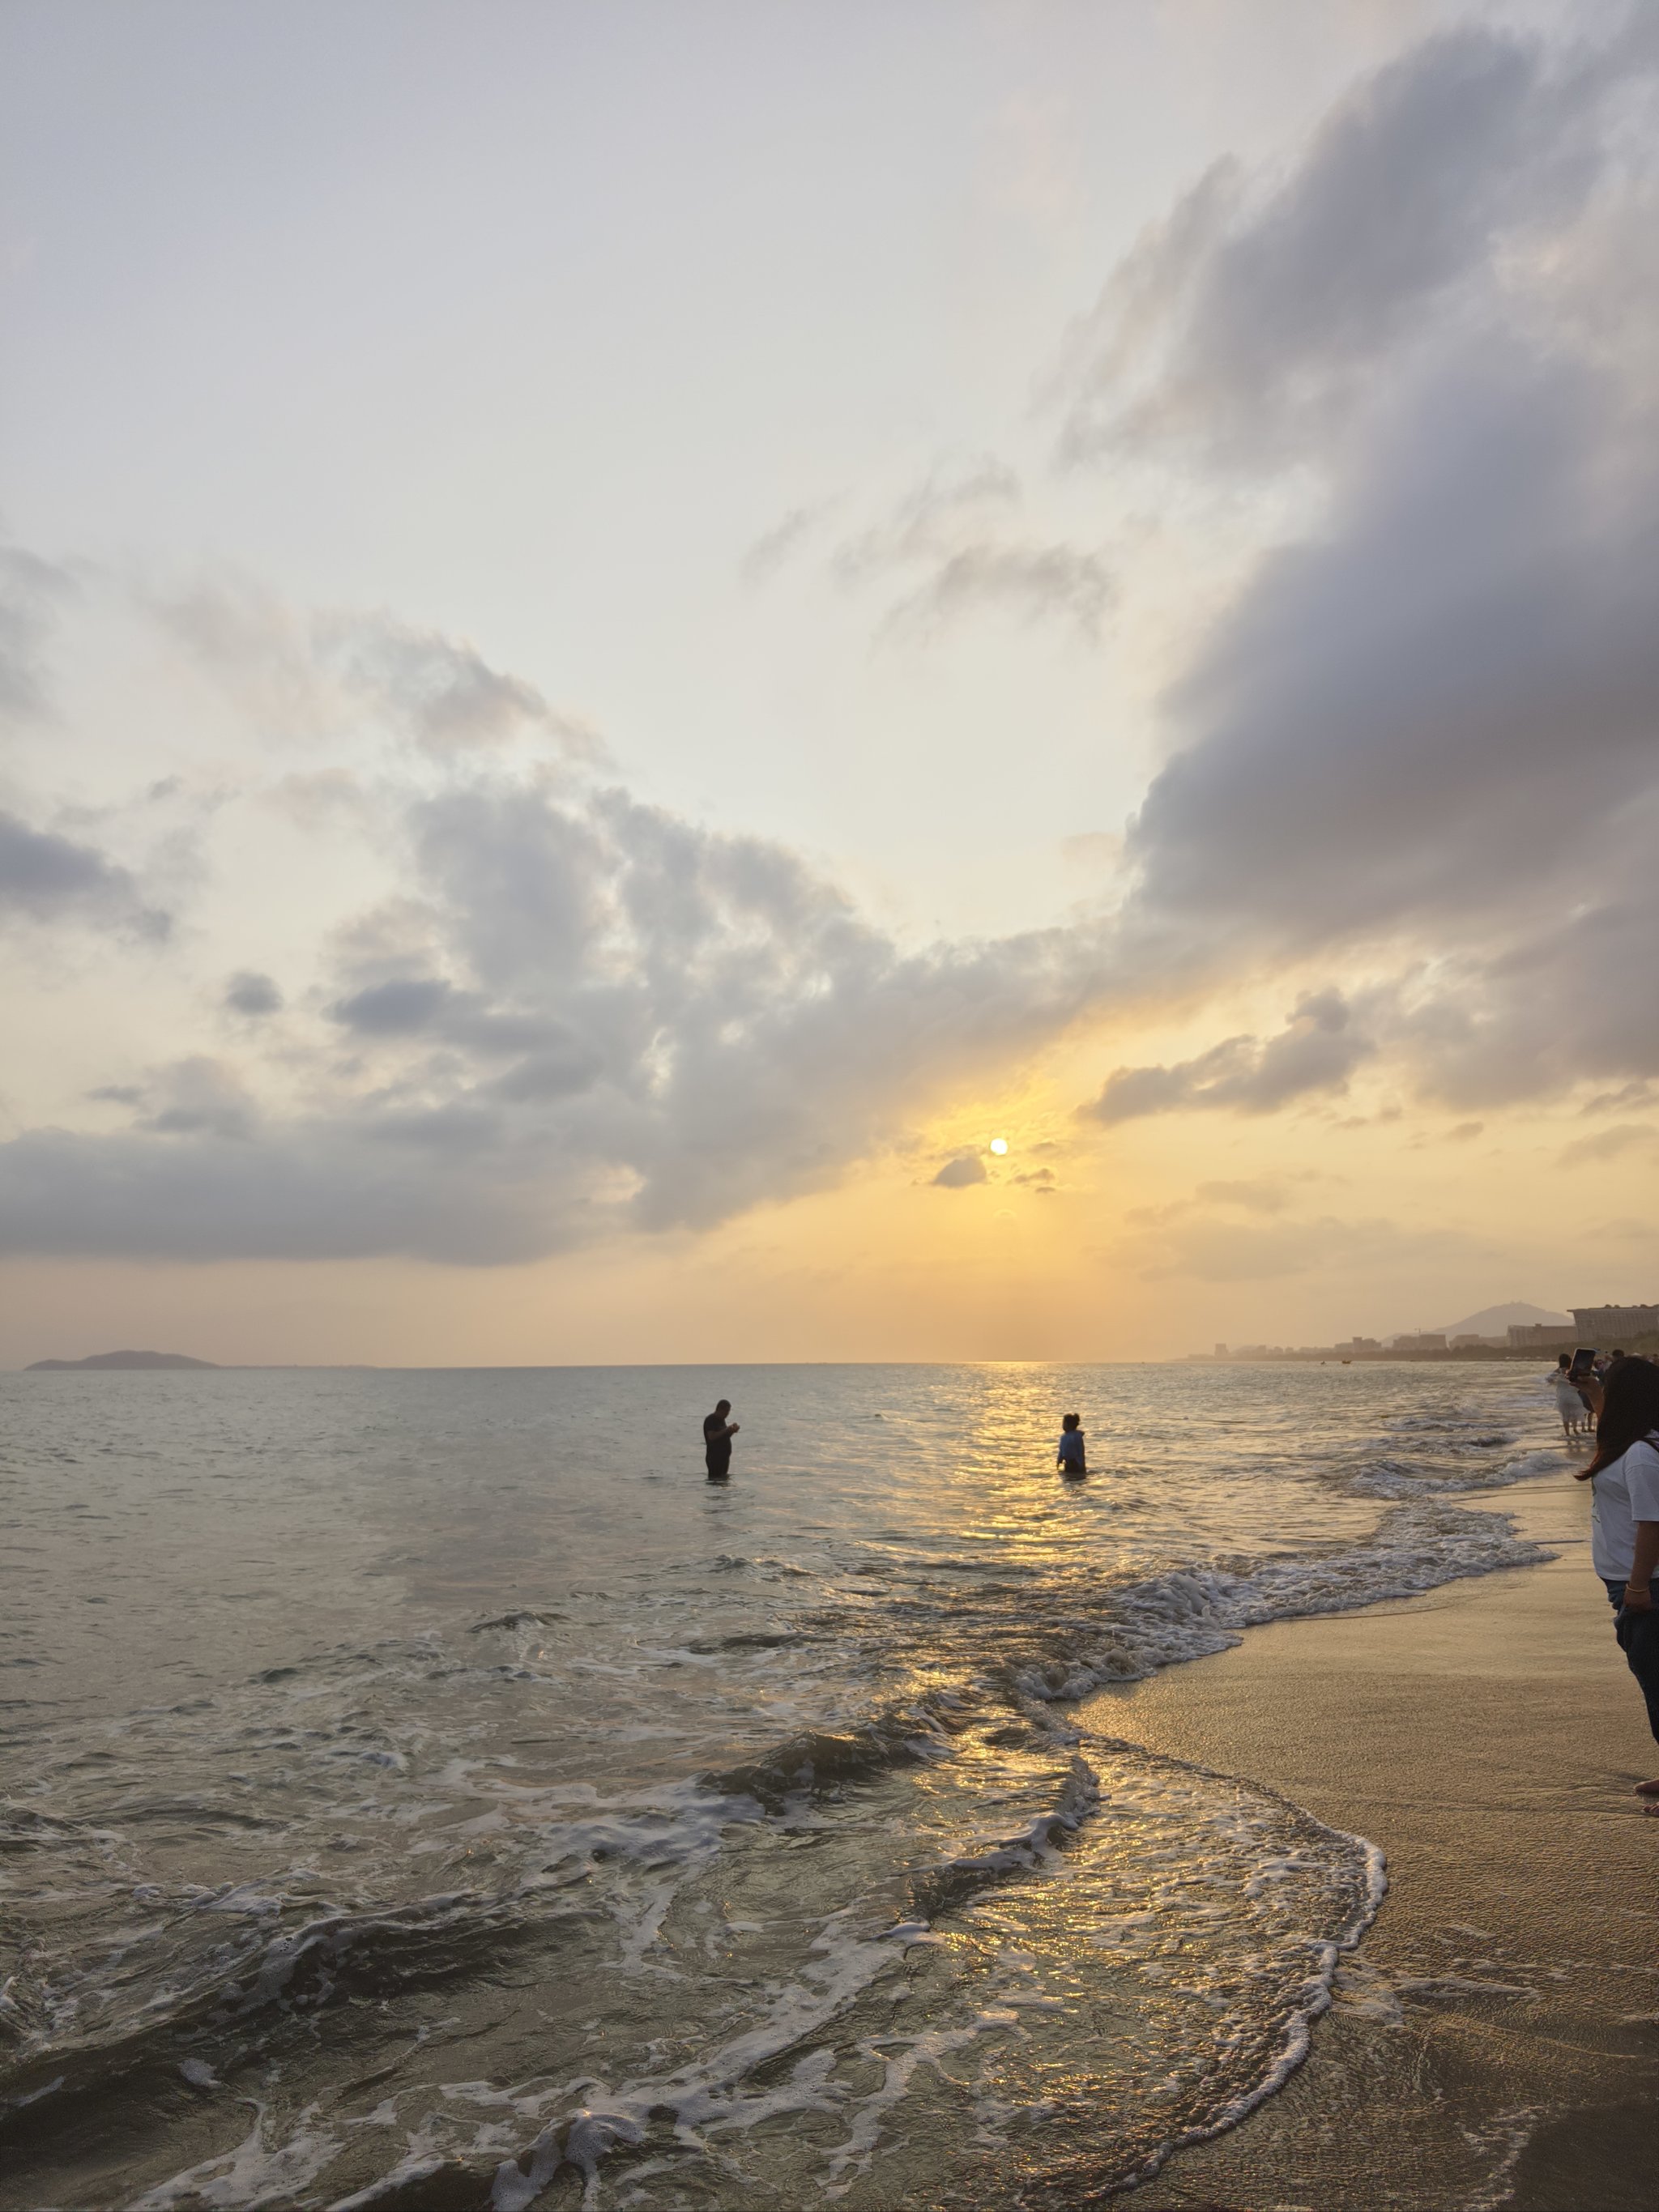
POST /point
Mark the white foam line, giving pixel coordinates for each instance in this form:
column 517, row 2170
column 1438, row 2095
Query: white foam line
column 1316, row 2001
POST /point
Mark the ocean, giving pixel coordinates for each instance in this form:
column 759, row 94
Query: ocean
column 424, row 1789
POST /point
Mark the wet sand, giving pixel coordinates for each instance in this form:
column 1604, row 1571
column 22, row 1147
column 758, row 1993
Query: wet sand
column 1495, row 2039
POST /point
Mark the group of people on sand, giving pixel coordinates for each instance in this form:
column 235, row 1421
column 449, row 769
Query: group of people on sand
column 1621, row 1395
column 1573, row 1397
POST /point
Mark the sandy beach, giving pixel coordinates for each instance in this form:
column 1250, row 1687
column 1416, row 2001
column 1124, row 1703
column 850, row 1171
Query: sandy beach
column 1495, row 2040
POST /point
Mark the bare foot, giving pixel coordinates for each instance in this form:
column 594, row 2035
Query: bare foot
column 1647, row 1788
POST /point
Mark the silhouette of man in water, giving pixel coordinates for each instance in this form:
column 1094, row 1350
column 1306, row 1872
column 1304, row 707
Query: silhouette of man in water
column 717, row 1435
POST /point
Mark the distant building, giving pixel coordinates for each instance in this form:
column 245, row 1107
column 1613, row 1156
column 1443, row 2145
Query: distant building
column 1359, row 1344
column 1423, row 1340
column 1221, row 1352
column 1606, row 1325
column 1542, row 1336
column 1468, row 1343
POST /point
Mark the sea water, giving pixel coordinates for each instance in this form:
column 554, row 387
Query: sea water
column 426, row 1790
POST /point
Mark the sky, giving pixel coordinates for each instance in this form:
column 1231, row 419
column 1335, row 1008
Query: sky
column 747, row 682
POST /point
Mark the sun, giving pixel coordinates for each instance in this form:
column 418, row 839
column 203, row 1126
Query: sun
column 998, row 1146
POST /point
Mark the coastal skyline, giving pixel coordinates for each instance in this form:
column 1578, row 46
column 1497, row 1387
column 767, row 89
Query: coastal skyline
column 684, row 686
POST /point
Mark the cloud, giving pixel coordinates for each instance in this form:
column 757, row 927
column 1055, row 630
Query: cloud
column 775, row 546
column 308, row 676
column 442, row 690
column 950, row 545
column 1617, row 1143
column 1268, row 1194
column 957, row 1173
column 1638, row 1093
column 314, row 1191
column 1422, row 731
column 31, row 591
column 1316, row 1051
column 1201, row 1239
column 45, row 878
column 581, row 1016
column 1251, row 321
column 199, row 1096
column 1041, row 1182
column 1254, row 1193
column 1243, row 1252
column 1031, row 580
column 252, row 995
column 1418, row 740
column 402, row 1007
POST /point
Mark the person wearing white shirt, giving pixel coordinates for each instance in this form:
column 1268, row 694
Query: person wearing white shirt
column 1568, row 1403
column 1624, row 1479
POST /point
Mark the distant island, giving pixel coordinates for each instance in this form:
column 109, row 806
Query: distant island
column 118, row 1359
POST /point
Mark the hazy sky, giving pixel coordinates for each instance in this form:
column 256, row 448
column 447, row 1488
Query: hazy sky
column 628, row 630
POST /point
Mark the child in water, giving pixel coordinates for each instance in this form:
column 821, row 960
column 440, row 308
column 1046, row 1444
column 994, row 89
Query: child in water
column 1069, row 1451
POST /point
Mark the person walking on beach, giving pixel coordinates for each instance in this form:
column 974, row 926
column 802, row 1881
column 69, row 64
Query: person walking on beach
column 1624, row 1479
column 1068, row 1452
column 1570, row 1401
column 717, row 1435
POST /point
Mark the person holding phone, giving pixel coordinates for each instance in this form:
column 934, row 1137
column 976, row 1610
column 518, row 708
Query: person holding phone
column 1569, row 1400
column 717, row 1435
column 1584, row 1372
column 1623, row 1476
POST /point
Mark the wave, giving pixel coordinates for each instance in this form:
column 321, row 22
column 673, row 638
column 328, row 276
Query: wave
column 908, row 1916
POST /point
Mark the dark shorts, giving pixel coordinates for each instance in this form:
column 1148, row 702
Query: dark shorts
column 1638, row 1639
column 719, row 1457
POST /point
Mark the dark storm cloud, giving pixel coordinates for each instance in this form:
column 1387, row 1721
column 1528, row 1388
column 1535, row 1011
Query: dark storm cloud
column 49, row 878
column 1316, row 1052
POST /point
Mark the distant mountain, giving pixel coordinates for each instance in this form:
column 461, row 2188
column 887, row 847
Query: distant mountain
column 1493, row 1321
column 120, row 1359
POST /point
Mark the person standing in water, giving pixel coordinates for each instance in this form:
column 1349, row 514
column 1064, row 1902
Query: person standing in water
column 1570, row 1401
column 1623, row 1479
column 1068, row 1452
column 717, row 1435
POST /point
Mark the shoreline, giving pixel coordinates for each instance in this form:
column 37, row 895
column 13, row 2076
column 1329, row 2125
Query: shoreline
column 1494, row 2038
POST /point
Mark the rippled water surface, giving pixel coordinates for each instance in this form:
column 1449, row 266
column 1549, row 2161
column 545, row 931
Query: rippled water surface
column 427, row 1790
